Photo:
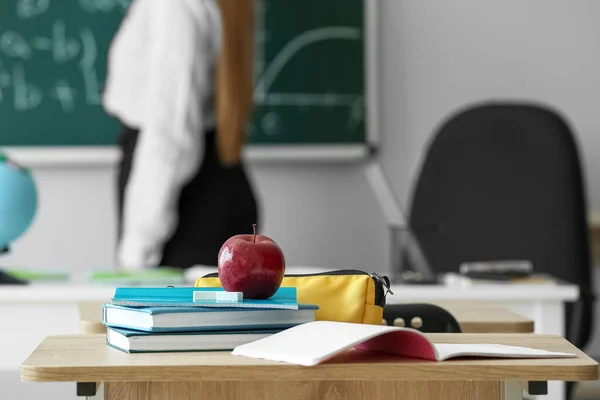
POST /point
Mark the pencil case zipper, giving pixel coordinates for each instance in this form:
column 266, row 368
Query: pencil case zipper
column 382, row 283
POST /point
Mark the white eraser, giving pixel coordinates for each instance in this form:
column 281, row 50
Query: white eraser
column 218, row 296
column 230, row 296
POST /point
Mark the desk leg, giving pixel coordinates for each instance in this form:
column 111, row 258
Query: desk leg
column 548, row 316
column 326, row 390
column 99, row 393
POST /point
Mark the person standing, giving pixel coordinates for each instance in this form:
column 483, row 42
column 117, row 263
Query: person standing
column 180, row 83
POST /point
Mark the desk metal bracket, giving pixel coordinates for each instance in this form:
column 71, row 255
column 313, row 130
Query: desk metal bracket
column 87, row 389
column 516, row 389
column 537, row 388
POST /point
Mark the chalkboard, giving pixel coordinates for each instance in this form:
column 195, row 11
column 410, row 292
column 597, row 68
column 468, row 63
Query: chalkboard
column 310, row 72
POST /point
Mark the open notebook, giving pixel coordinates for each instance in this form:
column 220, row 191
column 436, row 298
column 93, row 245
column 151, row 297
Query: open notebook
column 314, row 342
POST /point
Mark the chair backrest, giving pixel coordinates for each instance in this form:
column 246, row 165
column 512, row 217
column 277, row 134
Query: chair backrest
column 504, row 182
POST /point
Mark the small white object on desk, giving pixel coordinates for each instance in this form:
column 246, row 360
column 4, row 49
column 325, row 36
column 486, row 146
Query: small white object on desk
column 225, row 297
column 462, row 281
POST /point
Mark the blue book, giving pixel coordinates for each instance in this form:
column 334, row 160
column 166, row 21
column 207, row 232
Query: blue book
column 131, row 341
column 284, row 298
column 179, row 319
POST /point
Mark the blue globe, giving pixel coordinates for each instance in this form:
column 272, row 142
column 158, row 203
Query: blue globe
column 18, row 200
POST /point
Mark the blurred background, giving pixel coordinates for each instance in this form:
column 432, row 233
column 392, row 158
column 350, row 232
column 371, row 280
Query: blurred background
column 427, row 61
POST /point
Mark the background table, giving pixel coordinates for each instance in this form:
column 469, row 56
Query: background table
column 475, row 317
column 353, row 375
column 472, row 318
column 543, row 303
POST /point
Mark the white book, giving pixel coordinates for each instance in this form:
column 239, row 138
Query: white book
column 315, row 342
column 131, row 341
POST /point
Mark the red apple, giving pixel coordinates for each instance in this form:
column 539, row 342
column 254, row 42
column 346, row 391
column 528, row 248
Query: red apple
column 251, row 264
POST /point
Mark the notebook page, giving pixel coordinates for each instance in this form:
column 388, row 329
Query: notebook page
column 314, row 342
column 446, row 351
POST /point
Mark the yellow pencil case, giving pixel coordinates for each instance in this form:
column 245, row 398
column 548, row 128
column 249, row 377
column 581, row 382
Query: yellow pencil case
column 342, row 295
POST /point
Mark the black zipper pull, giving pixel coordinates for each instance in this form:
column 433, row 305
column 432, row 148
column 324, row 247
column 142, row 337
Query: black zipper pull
column 384, row 281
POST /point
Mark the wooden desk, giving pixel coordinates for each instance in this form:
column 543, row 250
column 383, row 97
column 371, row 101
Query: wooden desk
column 487, row 318
column 354, row 375
column 472, row 317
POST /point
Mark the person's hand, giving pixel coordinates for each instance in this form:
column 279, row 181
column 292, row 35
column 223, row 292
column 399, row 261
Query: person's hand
column 134, row 255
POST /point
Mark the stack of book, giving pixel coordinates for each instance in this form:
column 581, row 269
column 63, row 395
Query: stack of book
column 188, row 319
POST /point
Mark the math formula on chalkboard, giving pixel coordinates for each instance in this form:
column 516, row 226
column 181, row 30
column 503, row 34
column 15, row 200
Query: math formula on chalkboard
column 52, row 70
column 40, row 35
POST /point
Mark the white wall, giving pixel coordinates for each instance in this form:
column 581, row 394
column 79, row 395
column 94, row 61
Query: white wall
column 440, row 55
column 75, row 224
column 435, row 56
column 320, row 215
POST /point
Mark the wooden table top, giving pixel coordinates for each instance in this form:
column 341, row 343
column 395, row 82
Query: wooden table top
column 487, row 318
column 472, row 318
column 87, row 358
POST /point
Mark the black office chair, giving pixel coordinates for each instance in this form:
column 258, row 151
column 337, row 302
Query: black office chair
column 423, row 317
column 504, row 181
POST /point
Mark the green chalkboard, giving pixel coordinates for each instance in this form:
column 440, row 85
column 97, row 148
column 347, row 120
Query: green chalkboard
column 52, row 67
column 309, row 72
column 310, row 77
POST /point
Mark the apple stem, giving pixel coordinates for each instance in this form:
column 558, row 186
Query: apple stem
column 254, row 229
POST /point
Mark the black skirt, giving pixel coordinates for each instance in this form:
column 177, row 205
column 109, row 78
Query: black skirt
column 216, row 204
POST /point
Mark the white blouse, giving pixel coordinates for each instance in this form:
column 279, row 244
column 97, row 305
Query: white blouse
column 161, row 78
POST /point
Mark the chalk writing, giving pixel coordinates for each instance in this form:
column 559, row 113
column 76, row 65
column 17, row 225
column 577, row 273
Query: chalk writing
column 63, row 48
column 105, row 6
column 27, row 9
column 66, row 54
column 12, row 44
column 270, row 123
column 356, row 114
column 27, row 96
column 90, row 49
column 65, row 95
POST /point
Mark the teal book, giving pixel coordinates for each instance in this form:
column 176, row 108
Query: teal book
column 170, row 319
column 131, row 341
column 284, row 298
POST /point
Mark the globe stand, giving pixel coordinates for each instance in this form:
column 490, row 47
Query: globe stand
column 6, row 278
